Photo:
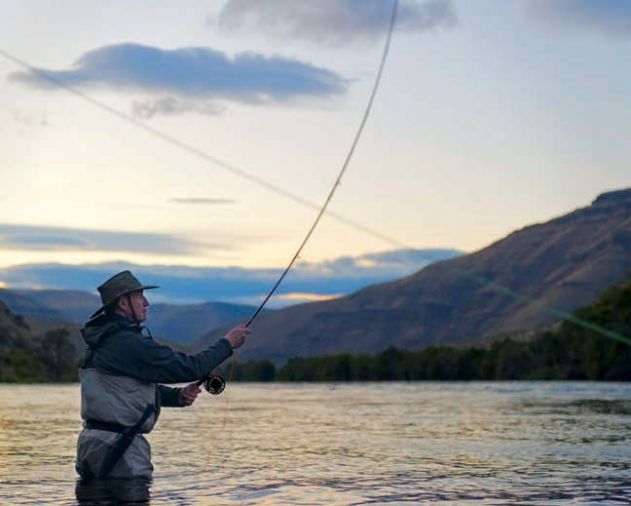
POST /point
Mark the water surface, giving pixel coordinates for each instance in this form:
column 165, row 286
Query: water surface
column 368, row 443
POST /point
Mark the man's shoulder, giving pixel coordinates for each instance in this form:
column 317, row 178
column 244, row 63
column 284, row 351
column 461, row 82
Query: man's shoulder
column 108, row 328
column 113, row 321
column 124, row 330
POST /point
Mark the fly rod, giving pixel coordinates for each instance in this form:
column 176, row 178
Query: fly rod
column 214, row 383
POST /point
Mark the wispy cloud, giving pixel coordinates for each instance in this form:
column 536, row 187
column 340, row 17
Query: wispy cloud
column 181, row 284
column 40, row 238
column 297, row 297
column 191, row 79
column 610, row 17
column 30, row 119
column 385, row 265
column 202, row 201
column 332, row 21
column 172, row 106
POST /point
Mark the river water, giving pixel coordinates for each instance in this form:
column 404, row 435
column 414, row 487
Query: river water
column 367, row 443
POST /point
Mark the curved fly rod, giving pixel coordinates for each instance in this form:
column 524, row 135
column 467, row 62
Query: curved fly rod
column 215, row 384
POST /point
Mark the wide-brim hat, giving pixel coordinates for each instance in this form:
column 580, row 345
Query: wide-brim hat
column 118, row 285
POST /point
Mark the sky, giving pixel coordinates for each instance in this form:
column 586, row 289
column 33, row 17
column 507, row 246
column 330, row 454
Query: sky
column 226, row 119
column 306, row 282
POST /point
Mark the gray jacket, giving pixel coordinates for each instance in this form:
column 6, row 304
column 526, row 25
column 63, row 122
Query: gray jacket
column 120, row 377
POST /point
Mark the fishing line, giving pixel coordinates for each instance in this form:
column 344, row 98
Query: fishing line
column 288, row 194
column 347, row 160
column 215, row 384
column 173, row 141
column 559, row 313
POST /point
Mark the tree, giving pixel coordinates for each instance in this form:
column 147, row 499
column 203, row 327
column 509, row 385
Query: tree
column 58, row 354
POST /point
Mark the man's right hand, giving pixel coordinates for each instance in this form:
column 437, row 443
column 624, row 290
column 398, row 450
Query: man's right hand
column 236, row 337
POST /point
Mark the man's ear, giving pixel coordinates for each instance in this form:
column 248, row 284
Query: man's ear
column 122, row 304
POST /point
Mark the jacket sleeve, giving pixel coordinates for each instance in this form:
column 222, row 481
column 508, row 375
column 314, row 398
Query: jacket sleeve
column 169, row 396
column 131, row 354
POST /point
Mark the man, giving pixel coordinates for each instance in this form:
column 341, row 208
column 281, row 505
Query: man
column 121, row 394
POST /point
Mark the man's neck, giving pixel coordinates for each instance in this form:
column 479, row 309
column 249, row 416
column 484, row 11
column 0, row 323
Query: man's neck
column 125, row 316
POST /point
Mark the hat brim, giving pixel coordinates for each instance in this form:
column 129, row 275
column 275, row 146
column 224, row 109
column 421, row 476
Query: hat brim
column 102, row 308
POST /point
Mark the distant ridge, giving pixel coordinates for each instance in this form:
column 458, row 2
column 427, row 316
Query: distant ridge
column 564, row 263
column 175, row 323
column 61, row 305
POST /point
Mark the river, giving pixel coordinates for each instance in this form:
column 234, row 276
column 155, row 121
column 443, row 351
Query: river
column 362, row 443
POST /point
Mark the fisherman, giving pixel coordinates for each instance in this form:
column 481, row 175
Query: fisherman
column 121, row 390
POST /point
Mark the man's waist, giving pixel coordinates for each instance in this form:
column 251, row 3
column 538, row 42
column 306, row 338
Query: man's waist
column 106, row 426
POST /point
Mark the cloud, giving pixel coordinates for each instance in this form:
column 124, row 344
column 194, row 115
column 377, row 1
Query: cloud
column 299, row 297
column 181, row 284
column 384, row 265
column 30, row 119
column 172, row 106
column 40, row 238
column 333, row 21
column 610, row 17
column 202, row 201
column 192, row 78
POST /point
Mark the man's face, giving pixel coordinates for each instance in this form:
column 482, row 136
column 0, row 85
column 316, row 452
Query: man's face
column 140, row 306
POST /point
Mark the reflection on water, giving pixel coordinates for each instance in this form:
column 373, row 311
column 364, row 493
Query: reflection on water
column 580, row 406
column 476, row 443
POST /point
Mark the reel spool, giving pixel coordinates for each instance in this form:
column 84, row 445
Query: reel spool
column 214, row 384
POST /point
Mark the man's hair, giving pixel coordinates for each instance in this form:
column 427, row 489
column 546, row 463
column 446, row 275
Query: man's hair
column 111, row 308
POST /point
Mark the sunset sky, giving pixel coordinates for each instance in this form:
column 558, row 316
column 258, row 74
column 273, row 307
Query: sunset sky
column 492, row 115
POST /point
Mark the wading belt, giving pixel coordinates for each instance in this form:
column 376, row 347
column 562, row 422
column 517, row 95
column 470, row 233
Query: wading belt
column 127, row 435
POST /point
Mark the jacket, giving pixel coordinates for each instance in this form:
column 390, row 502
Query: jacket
column 120, row 379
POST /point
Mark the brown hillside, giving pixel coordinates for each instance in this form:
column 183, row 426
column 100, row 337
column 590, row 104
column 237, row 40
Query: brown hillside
column 515, row 284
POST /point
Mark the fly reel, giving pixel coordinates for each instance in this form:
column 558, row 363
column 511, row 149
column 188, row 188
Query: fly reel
column 214, row 384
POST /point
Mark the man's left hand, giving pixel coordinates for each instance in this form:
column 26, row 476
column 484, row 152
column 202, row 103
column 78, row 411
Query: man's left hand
column 188, row 394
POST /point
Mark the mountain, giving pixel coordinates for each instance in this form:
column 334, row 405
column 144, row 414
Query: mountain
column 46, row 309
column 13, row 329
column 23, row 304
column 570, row 352
column 523, row 282
column 73, row 305
column 184, row 323
column 27, row 355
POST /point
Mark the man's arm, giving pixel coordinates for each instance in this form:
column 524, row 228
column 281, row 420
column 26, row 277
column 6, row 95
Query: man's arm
column 142, row 358
column 170, row 397
column 178, row 397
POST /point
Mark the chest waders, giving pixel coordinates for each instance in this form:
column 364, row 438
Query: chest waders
column 123, row 442
column 127, row 433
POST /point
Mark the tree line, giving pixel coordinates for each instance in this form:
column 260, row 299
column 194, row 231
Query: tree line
column 573, row 351
column 51, row 357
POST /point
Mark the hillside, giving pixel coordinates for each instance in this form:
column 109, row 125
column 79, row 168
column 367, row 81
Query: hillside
column 597, row 349
column 518, row 283
column 21, row 303
column 13, row 329
column 46, row 309
column 184, row 323
column 27, row 356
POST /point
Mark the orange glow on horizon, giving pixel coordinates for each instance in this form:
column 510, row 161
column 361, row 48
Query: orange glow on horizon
column 312, row 297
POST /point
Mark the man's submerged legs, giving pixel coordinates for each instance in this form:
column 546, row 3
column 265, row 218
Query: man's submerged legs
column 113, row 491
